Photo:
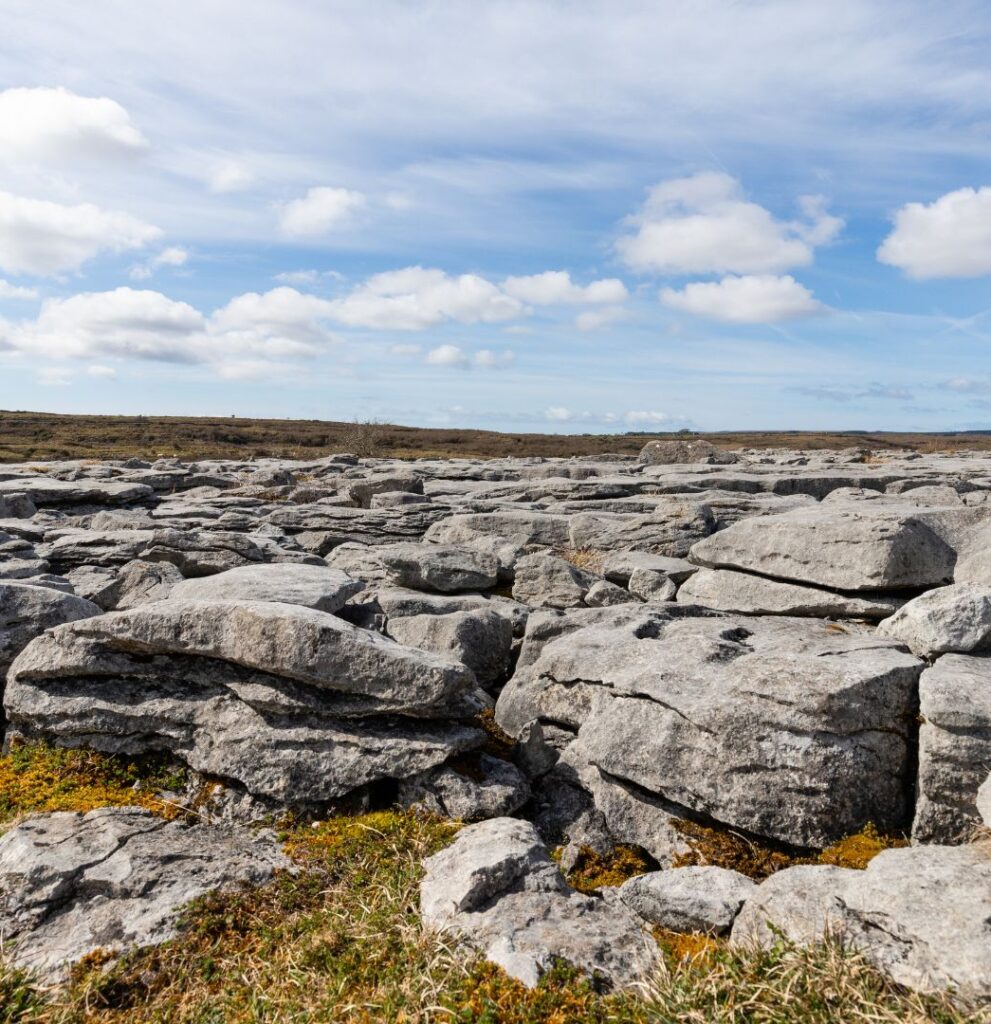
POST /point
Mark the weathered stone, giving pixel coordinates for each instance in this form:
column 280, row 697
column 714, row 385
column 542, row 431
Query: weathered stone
column 651, row 586
column 141, row 583
column 694, row 899
column 730, row 591
column 481, row 639
column 472, row 788
column 498, row 889
column 921, row 914
column 203, row 553
column 27, row 611
column 112, row 880
column 312, row 586
column 619, row 566
column 956, row 618
column 954, row 747
column 838, row 548
column 439, row 567
column 603, row 594
column 546, row 581
column 725, row 716
column 682, row 452
column 669, row 530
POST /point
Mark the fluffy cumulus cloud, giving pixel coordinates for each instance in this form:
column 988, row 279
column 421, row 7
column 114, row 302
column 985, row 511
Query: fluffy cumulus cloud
column 173, row 256
column 417, row 297
column 15, row 291
column 950, row 237
column 242, row 338
column 555, row 287
column 230, row 176
column 452, row 355
column 56, row 123
column 319, row 212
column 704, row 225
column 45, row 238
column 752, row 299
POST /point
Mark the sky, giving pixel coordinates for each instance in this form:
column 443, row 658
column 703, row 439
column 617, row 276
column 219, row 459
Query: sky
column 520, row 215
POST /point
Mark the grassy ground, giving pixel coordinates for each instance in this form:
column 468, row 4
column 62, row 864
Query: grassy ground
column 26, row 436
column 339, row 941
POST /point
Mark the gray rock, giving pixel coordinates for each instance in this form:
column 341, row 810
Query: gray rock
column 16, row 506
column 920, row 914
column 700, row 899
column 651, row 586
column 546, row 581
column 290, row 703
column 984, row 802
column 392, row 499
column 481, row 639
column 27, row 611
column 619, row 566
column 444, row 568
column 102, row 548
column 203, row 553
column 839, row 548
column 141, row 583
column 96, row 583
column 603, row 594
column 670, row 530
column 46, row 492
column 955, row 618
column 472, row 789
column 724, row 716
column 680, row 452
column 312, row 586
column 361, row 491
column 730, row 591
column 114, row 879
column 954, row 747
column 497, row 888
column 518, row 528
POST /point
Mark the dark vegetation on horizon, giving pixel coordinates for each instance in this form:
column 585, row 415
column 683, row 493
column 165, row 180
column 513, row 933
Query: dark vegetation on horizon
column 36, row 435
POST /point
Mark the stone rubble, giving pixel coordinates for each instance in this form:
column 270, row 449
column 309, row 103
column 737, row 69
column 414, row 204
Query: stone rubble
column 779, row 646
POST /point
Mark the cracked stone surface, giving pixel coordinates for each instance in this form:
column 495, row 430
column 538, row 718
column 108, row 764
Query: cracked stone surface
column 114, row 879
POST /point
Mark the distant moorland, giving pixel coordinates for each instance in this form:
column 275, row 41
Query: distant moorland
column 38, row 435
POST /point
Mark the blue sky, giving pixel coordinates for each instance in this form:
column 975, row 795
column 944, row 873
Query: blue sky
column 512, row 215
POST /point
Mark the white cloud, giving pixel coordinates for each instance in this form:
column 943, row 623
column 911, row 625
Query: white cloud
column 307, row 276
column 416, row 298
column 405, row 350
column 489, row 360
column 558, row 413
column 40, row 237
column 754, row 299
column 595, row 319
column 447, row 355
column 13, row 291
column 230, row 176
column 318, row 212
column 174, row 256
column 57, row 123
column 102, row 372
column 703, row 225
column 950, row 237
column 236, row 340
column 54, row 377
column 555, row 287
column 648, row 418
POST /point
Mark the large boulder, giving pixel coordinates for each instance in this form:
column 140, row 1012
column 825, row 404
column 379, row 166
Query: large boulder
column 292, row 704
column 954, row 747
column 27, row 611
column 497, row 889
column 840, row 548
column 921, row 914
column 114, row 879
column 678, row 452
column 955, row 618
column 546, row 581
column 731, row 591
column 312, row 586
column 778, row 726
column 205, row 552
column 694, row 899
column 670, row 529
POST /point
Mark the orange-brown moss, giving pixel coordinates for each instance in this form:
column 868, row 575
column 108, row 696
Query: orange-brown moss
column 859, row 849
column 693, row 947
column 593, row 871
column 37, row 777
column 498, row 743
column 724, row 848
